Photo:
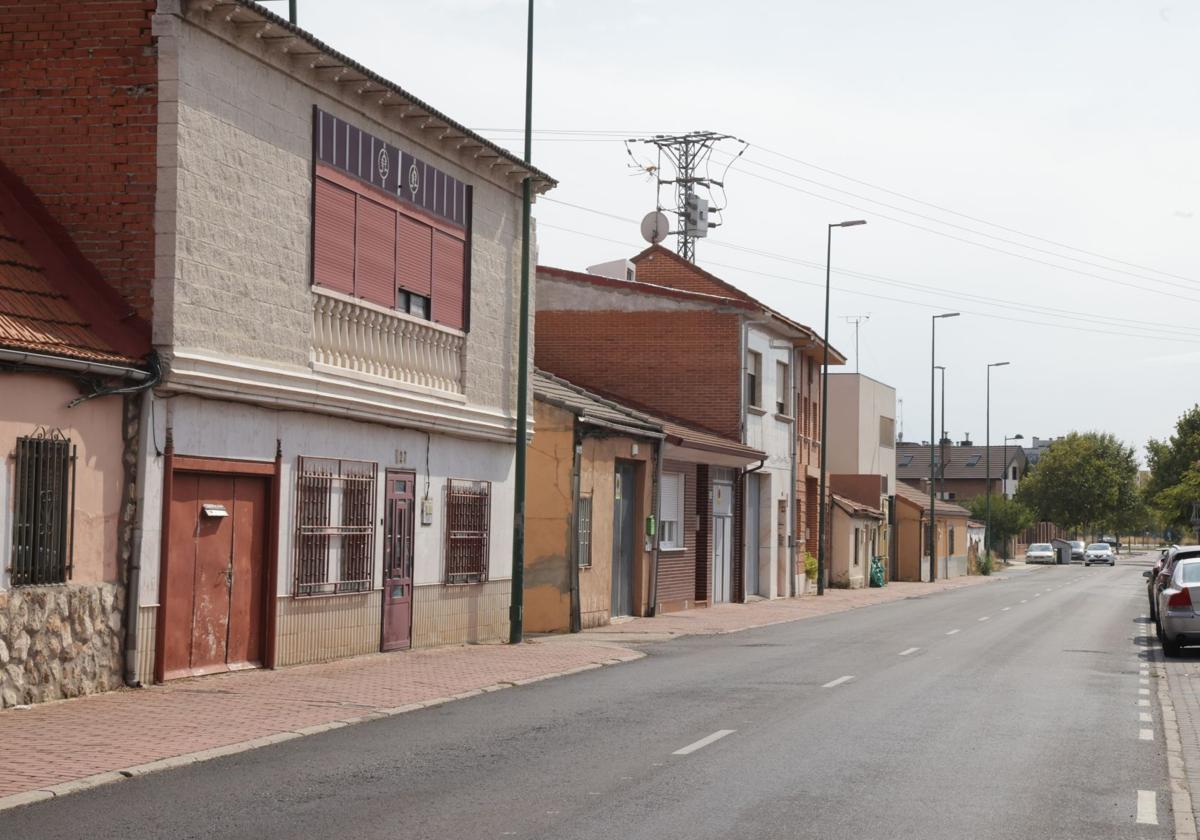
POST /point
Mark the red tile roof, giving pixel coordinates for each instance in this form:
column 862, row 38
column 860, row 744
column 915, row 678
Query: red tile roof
column 42, row 307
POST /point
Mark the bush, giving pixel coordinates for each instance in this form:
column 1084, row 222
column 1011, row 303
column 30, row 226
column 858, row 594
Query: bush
column 985, row 564
column 810, row 566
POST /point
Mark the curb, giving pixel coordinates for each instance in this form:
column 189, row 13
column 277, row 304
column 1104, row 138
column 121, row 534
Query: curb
column 1181, row 796
column 30, row 797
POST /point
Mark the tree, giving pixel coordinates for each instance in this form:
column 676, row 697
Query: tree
column 1083, row 481
column 1009, row 518
column 1174, row 483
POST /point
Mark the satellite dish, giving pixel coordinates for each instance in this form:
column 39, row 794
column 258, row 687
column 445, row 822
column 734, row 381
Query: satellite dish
column 655, row 227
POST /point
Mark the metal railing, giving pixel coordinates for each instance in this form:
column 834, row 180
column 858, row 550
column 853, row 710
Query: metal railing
column 43, row 536
column 335, row 520
column 468, row 523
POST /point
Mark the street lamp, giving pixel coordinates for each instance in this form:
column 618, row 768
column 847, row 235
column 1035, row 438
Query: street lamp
column 942, row 437
column 932, row 409
column 825, row 406
column 987, row 496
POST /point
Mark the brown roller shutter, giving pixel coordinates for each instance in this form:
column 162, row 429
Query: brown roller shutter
column 677, row 569
column 333, row 237
column 448, row 276
column 375, row 253
column 414, row 255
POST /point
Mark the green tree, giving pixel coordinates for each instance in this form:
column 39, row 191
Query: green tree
column 1084, row 481
column 1009, row 518
column 1174, row 482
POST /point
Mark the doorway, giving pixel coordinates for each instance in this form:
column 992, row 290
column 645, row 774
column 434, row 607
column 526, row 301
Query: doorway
column 215, row 595
column 753, row 521
column 624, row 537
column 398, row 518
column 722, row 521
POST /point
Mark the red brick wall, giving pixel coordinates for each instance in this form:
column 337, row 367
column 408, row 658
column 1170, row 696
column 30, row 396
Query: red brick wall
column 684, row 364
column 663, row 268
column 78, row 113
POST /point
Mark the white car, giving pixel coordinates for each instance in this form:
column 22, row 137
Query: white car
column 1099, row 553
column 1039, row 553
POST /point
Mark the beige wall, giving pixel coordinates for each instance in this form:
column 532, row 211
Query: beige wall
column 911, row 550
column 856, row 404
column 94, row 427
column 843, row 571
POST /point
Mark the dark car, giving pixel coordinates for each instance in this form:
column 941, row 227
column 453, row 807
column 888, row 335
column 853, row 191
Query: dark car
column 1152, row 577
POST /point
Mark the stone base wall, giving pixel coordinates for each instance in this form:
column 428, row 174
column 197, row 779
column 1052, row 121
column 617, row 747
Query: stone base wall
column 60, row 641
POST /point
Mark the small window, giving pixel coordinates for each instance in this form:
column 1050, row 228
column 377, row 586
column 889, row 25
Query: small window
column 468, row 523
column 43, row 496
column 1013, row 474
column 583, row 531
column 887, row 432
column 973, row 461
column 670, row 512
column 414, row 304
column 782, row 378
column 904, row 460
column 754, row 378
column 335, row 526
column 950, row 532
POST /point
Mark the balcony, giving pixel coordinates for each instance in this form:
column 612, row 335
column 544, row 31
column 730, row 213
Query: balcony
column 366, row 341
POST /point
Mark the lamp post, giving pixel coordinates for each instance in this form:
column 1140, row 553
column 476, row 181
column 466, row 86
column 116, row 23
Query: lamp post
column 932, row 411
column 987, row 447
column 825, row 406
column 942, row 437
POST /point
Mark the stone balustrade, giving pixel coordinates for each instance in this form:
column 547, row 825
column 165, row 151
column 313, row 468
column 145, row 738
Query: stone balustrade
column 353, row 335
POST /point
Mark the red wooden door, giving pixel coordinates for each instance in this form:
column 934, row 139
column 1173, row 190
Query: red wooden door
column 398, row 561
column 215, row 595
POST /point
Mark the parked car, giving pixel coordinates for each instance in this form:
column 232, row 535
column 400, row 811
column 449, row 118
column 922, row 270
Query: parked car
column 1099, row 553
column 1178, row 623
column 1077, row 549
column 1151, row 576
column 1039, row 553
column 1174, row 555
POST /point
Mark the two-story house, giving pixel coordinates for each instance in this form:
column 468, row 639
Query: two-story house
column 684, row 344
column 331, row 268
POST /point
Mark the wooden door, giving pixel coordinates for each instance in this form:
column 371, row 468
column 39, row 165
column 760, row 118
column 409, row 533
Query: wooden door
column 398, row 561
column 215, row 593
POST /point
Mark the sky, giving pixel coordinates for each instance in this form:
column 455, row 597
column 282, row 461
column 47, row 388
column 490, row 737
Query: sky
column 1040, row 163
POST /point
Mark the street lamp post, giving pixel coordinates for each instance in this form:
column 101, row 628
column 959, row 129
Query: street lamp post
column 932, row 419
column 987, row 447
column 942, row 437
column 825, row 407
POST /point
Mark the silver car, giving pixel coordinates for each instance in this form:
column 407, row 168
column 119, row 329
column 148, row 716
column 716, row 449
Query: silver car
column 1178, row 624
column 1099, row 553
column 1039, row 553
column 1078, row 547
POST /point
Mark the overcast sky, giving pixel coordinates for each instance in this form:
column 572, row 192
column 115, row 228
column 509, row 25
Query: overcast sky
column 1076, row 121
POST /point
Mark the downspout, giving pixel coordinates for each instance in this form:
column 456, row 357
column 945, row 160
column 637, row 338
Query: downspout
column 652, row 606
column 133, row 587
column 576, row 622
column 791, row 577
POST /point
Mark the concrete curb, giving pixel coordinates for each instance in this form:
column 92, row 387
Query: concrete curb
column 29, row 797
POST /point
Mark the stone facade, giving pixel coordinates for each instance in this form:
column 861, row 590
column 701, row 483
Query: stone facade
column 59, row 641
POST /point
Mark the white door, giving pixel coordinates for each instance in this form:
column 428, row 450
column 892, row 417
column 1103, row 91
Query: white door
column 722, row 541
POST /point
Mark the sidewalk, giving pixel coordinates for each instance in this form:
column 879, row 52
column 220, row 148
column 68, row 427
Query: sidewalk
column 57, row 748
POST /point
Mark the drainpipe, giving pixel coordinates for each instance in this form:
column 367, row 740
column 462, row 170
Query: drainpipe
column 792, row 553
column 132, row 591
column 576, row 622
column 652, row 607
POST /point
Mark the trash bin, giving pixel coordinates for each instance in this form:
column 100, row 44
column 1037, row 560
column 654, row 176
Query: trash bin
column 878, row 575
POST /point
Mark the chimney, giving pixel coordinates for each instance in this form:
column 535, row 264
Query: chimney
column 966, row 441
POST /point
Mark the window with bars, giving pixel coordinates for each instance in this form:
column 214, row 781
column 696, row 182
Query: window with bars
column 468, row 523
column 43, row 501
column 583, row 531
column 335, row 526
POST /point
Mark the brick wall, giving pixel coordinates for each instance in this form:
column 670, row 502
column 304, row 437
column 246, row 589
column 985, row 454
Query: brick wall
column 664, row 268
column 78, row 119
column 684, row 364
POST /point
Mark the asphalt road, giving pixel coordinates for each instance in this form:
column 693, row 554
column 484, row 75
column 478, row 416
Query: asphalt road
column 1023, row 725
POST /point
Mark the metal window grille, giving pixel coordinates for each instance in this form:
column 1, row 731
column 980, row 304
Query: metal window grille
column 468, row 522
column 43, row 500
column 583, row 531
column 335, row 526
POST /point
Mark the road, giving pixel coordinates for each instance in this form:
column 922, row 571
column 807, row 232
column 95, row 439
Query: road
column 1008, row 710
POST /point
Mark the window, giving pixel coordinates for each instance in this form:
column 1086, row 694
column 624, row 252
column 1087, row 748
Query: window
column 43, row 500
column 904, row 460
column 468, row 523
column 781, row 387
column 670, row 512
column 754, row 378
column 950, row 537
column 857, row 544
column 973, row 461
column 1013, row 474
column 335, row 526
column 583, row 531
column 887, row 432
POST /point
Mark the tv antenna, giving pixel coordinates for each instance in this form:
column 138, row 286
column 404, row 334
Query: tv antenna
column 688, row 155
column 856, row 320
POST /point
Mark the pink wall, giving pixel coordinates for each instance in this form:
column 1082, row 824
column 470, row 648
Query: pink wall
column 28, row 401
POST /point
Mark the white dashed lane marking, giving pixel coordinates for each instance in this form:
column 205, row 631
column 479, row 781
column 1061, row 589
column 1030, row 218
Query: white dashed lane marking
column 1147, row 807
column 1143, row 702
column 952, row 632
column 838, row 681
column 909, row 651
column 1005, row 609
column 1145, row 717
column 1146, row 734
column 985, row 618
column 704, row 742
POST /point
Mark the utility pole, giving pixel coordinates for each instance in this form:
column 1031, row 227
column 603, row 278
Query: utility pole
column 688, row 155
column 856, row 320
column 932, row 460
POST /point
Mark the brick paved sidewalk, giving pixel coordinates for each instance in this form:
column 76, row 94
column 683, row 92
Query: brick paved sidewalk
column 54, row 743
column 730, row 618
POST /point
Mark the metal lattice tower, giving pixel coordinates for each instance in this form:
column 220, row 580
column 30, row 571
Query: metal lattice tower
column 688, row 155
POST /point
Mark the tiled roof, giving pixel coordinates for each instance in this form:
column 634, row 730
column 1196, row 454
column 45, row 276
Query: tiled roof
column 912, row 461
column 914, row 496
column 35, row 316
